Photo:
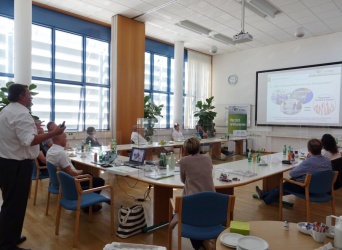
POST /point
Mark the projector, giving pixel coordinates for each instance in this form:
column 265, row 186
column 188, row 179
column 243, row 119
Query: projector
column 242, row 37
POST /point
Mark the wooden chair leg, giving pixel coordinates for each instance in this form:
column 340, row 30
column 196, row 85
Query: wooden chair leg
column 35, row 192
column 179, row 237
column 58, row 218
column 77, row 219
column 47, row 204
column 281, row 202
column 112, row 231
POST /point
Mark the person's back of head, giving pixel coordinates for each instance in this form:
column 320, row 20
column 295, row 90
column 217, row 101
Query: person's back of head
column 315, row 146
column 329, row 143
column 51, row 126
column 192, row 146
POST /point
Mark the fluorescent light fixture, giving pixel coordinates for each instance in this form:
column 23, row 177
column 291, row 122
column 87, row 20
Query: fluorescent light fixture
column 160, row 6
column 255, row 10
column 264, row 7
column 194, row 27
column 223, row 39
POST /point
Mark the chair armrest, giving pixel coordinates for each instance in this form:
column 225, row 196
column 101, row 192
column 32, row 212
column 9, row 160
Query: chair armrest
column 172, row 204
column 91, row 190
column 42, row 167
column 81, row 176
column 293, row 182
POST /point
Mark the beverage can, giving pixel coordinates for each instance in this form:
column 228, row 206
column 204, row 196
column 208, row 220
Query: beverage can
column 95, row 157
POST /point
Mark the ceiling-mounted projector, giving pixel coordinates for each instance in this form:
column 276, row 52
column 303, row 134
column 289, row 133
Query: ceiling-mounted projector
column 242, row 37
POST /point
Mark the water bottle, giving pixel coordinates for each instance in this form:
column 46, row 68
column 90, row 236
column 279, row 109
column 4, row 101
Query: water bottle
column 114, row 146
column 172, row 162
column 249, row 156
column 82, row 146
column 258, row 156
column 89, row 146
column 100, row 155
column 284, row 150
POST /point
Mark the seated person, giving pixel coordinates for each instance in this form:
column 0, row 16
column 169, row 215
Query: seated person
column 201, row 132
column 92, row 137
column 196, row 174
column 48, row 143
column 42, row 154
column 136, row 137
column 58, row 157
column 176, row 134
column 329, row 147
column 314, row 163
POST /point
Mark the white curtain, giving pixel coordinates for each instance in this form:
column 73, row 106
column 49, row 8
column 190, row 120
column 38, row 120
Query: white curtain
column 197, row 85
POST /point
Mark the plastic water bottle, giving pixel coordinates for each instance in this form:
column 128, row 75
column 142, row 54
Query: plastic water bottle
column 89, row 146
column 249, row 156
column 284, row 150
column 172, row 162
column 258, row 156
column 114, row 146
column 100, row 155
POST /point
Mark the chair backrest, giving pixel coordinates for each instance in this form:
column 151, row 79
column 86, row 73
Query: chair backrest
column 68, row 185
column 205, row 209
column 337, row 166
column 321, row 182
column 53, row 174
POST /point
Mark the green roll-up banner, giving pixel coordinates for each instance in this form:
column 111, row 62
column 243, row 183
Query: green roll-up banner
column 237, row 118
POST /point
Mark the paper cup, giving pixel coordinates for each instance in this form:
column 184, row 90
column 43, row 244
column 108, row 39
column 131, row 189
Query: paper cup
column 318, row 236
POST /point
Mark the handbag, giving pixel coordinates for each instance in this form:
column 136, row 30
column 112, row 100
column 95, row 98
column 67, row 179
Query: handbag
column 131, row 221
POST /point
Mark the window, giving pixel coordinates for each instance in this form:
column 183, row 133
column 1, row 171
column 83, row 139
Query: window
column 159, row 85
column 71, row 71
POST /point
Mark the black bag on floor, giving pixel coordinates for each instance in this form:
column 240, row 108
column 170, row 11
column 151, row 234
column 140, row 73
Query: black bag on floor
column 131, row 221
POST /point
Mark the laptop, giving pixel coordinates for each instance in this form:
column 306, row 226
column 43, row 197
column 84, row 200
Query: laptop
column 136, row 158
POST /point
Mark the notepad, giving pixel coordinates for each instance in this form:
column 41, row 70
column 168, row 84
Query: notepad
column 161, row 175
column 239, row 227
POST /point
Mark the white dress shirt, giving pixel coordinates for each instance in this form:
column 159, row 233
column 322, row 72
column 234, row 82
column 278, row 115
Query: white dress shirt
column 177, row 135
column 58, row 157
column 137, row 138
column 17, row 131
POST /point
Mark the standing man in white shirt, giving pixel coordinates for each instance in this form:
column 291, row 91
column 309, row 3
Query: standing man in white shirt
column 19, row 143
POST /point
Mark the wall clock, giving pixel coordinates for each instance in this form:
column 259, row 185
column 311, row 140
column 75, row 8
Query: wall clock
column 233, row 79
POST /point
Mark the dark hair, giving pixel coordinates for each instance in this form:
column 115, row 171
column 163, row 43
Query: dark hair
column 315, row 146
column 49, row 125
column 329, row 143
column 15, row 90
column 90, row 130
column 176, row 124
column 192, row 145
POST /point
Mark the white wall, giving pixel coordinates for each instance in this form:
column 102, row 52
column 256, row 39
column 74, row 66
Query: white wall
column 322, row 49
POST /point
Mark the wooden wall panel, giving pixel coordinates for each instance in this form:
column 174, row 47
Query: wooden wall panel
column 129, row 76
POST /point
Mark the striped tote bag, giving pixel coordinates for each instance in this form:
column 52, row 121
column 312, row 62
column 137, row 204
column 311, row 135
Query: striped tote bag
column 131, row 221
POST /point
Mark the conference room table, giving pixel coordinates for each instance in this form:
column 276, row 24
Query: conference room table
column 214, row 152
column 277, row 237
column 245, row 172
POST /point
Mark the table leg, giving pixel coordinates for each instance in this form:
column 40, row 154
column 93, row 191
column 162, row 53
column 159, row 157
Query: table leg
column 216, row 150
column 271, row 182
column 239, row 147
column 162, row 196
column 229, row 191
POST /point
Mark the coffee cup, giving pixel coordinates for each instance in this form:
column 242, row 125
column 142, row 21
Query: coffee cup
column 318, row 236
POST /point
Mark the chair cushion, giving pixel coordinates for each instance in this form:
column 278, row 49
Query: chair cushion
column 87, row 200
column 201, row 233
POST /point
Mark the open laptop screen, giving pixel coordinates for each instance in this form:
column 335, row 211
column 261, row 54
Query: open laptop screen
column 138, row 155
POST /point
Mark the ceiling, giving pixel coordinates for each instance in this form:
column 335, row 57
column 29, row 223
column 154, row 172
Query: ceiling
column 318, row 17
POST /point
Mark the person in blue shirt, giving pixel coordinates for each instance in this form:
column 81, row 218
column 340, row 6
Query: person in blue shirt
column 315, row 162
column 200, row 132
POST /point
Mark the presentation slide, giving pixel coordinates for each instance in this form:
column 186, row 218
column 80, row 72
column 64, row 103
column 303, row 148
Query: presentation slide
column 307, row 96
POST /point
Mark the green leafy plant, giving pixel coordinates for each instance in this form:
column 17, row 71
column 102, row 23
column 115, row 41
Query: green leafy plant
column 151, row 112
column 4, row 96
column 206, row 116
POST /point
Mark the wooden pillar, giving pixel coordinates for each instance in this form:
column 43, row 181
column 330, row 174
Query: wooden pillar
column 127, row 74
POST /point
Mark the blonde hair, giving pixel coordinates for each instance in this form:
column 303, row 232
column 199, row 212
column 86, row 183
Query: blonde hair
column 192, row 146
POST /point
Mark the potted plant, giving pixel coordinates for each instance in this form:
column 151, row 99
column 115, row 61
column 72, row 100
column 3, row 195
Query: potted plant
column 151, row 112
column 4, row 96
column 206, row 116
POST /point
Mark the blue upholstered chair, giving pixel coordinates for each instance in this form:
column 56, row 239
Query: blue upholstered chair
column 53, row 187
column 318, row 187
column 72, row 197
column 201, row 216
column 38, row 173
column 337, row 166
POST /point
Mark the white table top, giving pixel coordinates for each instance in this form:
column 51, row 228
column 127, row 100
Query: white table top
column 275, row 166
